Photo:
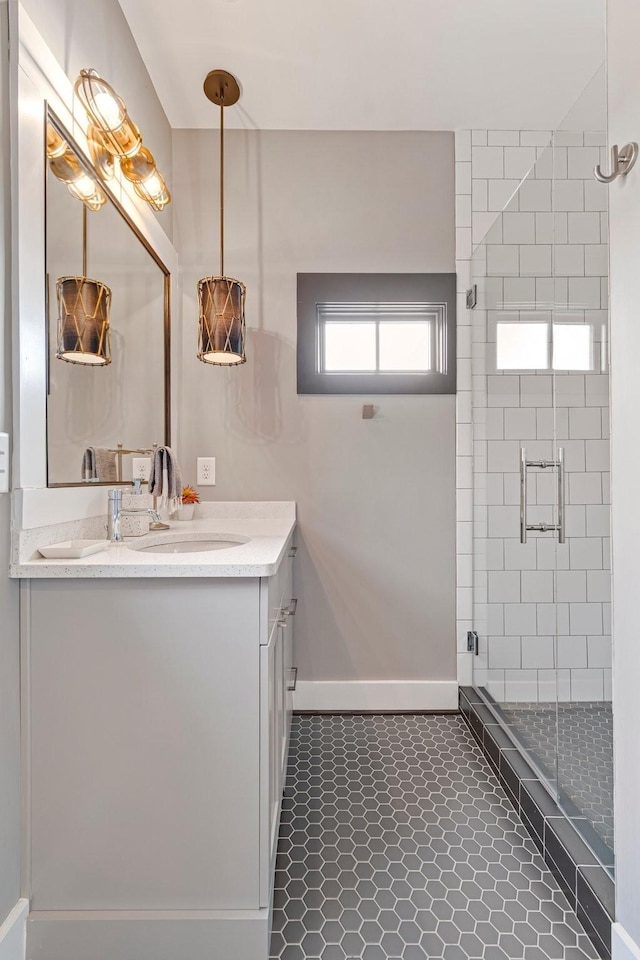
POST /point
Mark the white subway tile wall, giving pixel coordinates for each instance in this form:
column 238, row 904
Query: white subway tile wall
column 543, row 259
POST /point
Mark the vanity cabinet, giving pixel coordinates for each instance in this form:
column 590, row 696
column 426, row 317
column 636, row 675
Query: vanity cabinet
column 157, row 718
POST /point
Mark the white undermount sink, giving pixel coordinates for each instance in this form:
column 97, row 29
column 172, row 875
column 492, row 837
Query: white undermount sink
column 188, row 543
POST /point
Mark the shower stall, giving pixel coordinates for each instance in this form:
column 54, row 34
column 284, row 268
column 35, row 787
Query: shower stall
column 541, row 549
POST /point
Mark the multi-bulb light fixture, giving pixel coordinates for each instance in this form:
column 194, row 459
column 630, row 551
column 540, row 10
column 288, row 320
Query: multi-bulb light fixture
column 114, row 138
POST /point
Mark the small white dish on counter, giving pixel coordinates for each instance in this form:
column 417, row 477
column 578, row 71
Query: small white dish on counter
column 73, row 549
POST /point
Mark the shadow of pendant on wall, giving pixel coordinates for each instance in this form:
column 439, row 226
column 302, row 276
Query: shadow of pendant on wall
column 253, row 406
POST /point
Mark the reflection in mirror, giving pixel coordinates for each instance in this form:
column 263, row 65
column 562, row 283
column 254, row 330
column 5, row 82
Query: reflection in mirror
column 107, row 302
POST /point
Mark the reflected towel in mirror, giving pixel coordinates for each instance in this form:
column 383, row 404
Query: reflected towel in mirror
column 99, row 463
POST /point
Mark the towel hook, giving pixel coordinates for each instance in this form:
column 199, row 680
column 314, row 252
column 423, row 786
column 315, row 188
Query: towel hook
column 621, row 162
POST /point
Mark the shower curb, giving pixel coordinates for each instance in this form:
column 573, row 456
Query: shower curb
column 587, row 884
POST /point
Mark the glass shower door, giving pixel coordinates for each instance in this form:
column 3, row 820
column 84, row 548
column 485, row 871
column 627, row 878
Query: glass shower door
column 581, row 388
column 516, row 479
column 541, row 568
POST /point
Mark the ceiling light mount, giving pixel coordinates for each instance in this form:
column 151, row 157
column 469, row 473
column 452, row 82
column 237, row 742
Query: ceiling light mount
column 222, row 88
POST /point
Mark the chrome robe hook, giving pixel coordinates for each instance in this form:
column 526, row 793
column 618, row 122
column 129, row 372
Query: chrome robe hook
column 621, row 162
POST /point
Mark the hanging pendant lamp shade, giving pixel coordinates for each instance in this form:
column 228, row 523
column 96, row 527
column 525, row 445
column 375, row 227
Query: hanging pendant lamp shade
column 221, row 329
column 83, row 315
column 221, row 299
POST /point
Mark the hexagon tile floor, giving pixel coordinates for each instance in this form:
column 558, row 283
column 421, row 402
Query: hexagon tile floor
column 398, row 843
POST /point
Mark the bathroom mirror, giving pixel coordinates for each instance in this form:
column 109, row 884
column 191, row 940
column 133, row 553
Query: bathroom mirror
column 108, row 321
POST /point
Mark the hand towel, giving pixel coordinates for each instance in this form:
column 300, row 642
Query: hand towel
column 99, row 463
column 165, row 478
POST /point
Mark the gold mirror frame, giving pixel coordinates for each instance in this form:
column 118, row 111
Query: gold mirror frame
column 108, row 188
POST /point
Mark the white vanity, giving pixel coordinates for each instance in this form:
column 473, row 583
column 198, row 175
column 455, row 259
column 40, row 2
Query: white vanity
column 157, row 712
column 156, row 694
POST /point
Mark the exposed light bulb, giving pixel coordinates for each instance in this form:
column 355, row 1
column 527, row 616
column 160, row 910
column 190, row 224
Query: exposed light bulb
column 108, row 109
column 154, row 186
column 85, row 186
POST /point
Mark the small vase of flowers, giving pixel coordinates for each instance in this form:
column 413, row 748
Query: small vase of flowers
column 189, row 499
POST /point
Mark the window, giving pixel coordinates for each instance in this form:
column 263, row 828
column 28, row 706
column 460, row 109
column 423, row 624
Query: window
column 522, row 346
column 378, row 337
column 572, row 346
column 395, row 339
column 527, row 346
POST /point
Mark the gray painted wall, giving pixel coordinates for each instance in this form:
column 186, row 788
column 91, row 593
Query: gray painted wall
column 376, row 499
column 9, row 622
column 96, row 34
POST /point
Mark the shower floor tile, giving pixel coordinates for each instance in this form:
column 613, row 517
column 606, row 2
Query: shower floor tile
column 583, row 739
column 398, row 843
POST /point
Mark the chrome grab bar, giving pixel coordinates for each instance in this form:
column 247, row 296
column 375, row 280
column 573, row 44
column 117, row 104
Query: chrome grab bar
column 526, row 465
column 561, row 496
column 523, row 495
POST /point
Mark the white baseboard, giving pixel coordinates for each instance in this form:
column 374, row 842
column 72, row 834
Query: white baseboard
column 622, row 946
column 380, row 695
column 13, row 933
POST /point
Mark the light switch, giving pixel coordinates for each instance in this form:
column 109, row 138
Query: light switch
column 4, row 463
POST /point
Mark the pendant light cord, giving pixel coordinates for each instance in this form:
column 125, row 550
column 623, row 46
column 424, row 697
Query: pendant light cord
column 84, row 239
column 222, row 182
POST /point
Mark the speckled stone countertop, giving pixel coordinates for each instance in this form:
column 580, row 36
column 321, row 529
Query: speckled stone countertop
column 262, row 529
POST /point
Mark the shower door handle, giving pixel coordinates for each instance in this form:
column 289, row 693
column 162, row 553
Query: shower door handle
column 523, row 495
column 561, row 496
column 526, row 465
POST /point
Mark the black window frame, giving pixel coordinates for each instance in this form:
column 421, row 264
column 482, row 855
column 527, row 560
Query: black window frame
column 425, row 288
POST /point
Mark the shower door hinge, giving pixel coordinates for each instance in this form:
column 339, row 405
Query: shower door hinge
column 472, row 641
column 472, row 296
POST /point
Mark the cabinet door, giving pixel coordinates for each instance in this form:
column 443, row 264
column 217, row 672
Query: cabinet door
column 290, row 604
column 271, row 738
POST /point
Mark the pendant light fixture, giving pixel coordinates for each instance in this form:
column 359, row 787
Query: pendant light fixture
column 221, row 299
column 83, row 315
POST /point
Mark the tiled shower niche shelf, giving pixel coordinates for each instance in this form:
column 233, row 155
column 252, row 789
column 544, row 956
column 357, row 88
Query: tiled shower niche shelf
column 586, row 882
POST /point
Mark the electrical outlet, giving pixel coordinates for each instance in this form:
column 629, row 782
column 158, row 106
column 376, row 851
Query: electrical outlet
column 4, row 463
column 206, row 471
column 140, row 467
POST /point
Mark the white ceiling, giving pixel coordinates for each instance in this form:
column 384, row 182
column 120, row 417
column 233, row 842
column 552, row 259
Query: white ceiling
column 372, row 64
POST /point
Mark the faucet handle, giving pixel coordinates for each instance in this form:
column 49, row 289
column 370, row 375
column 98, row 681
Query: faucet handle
column 136, row 483
column 115, row 493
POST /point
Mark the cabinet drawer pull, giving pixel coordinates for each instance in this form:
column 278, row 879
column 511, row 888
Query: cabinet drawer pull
column 293, row 606
column 281, row 619
column 293, row 679
column 292, row 552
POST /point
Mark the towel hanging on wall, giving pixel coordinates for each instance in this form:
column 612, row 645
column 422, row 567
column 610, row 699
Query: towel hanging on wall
column 165, row 478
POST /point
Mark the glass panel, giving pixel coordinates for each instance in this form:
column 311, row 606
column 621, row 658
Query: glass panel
column 540, row 383
column 405, row 346
column 514, row 605
column 583, row 577
column 349, row 346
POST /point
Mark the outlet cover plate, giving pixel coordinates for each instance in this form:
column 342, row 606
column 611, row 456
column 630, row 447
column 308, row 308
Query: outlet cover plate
column 206, row 471
column 4, row 463
column 140, row 467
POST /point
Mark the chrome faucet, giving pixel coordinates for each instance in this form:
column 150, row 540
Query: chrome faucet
column 116, row 511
